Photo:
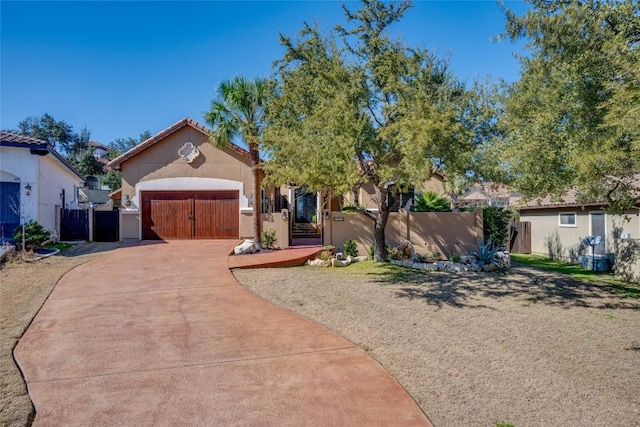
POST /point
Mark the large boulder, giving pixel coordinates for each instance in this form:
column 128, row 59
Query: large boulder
column 404, row 251
column 246, row 247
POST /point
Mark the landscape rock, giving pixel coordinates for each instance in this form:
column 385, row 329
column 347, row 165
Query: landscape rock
column 504, row 260
column 467, row 259
column 431, row 267
column 419, row 266
column 489, row 267
column 246, row 247
column 455, row 267
column 405, row 250
column 317, row 263
column 340, row 256
column 361, row 258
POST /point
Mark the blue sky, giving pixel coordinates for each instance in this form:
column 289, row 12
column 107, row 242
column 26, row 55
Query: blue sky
column 120, row 68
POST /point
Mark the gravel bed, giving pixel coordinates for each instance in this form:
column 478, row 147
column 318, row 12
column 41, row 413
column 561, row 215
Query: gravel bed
column 528, row 348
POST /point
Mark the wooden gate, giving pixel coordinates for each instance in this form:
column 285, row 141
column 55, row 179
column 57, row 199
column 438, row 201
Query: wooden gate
column 106, row 226
column 74, row 224
column 520, row 237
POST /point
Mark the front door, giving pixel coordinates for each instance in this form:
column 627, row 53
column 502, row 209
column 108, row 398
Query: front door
column 9, row 208
column 306, row 206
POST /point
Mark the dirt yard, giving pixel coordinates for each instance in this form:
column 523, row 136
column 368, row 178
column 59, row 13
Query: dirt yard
column 529, row 348
column 24, row 286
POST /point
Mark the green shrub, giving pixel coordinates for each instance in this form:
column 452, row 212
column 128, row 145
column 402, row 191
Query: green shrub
column 269, row 239
column 455, row 257
column 352, row 208
column 35, row 236
column 495, row 222
column 351, row 248
column 372, row 250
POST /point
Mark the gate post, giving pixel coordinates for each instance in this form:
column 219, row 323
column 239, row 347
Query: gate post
column 57, row 221
column 91, row 221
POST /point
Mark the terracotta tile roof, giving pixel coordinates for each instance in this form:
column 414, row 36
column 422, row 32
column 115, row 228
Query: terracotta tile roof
column 115, row 163
column 569, row 199
column 20, row 139
column 97, row 145
column 39, row 146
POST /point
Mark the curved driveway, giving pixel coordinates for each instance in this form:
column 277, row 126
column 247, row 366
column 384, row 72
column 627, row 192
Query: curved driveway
column 162, row 334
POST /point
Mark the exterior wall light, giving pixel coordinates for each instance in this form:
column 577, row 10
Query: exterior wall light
column 127, row 201
column 27, row 189
column 285, row 215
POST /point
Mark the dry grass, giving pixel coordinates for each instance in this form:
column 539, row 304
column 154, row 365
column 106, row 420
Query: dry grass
column 529, row 348
column 24, row 286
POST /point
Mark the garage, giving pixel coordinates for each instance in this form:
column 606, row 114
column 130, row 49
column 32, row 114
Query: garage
column 190, row 215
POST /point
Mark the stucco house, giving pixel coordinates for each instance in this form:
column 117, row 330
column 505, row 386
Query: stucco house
column 37, row 177
column 559, row 227
column 177, row 185
column 488, row 194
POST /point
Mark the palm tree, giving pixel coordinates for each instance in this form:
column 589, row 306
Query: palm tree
column 238, row 112
column 430, row 201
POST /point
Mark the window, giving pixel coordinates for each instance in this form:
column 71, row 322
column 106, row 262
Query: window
column 567, row 219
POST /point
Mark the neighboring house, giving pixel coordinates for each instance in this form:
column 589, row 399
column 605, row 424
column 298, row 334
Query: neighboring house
column 364, row 195
column 559, row 227
column 36, row 177
column 487, row 194
column 177, row 185
column 100, row 151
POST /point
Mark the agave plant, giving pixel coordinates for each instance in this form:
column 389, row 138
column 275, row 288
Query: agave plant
column 485, row 254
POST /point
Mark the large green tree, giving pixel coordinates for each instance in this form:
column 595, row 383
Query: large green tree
column 355, row 105
column 572, row 120
column 238, row 112
column 58, row 133
column 113, row 177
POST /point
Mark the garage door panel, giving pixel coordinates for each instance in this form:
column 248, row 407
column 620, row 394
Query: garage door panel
column 166, row 215
column 216, row 215
column 189, row 215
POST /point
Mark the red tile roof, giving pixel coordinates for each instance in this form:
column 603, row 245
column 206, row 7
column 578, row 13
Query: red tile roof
column 97, row 145
column 36, row 145
column 115, row 163
column 569, row 199
column 20, row 139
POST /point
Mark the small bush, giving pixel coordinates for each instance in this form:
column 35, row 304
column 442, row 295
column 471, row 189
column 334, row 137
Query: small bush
column 351, row 248
column 269, row 239
column 372, row 250
column 455, row 257
column 352, row 208
column 35, row 236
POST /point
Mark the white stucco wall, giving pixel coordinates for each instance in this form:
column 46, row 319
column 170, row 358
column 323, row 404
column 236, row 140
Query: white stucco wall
column 54, row 177
column 46, row 176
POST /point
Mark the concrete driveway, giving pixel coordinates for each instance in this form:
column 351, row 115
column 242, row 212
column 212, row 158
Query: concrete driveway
column 162, row 334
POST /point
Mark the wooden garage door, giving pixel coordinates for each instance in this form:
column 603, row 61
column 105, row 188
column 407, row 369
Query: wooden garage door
column 190, row 214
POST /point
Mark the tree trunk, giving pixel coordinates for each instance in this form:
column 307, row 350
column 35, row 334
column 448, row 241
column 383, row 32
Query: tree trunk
column 380, row 248
column 257, row 198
